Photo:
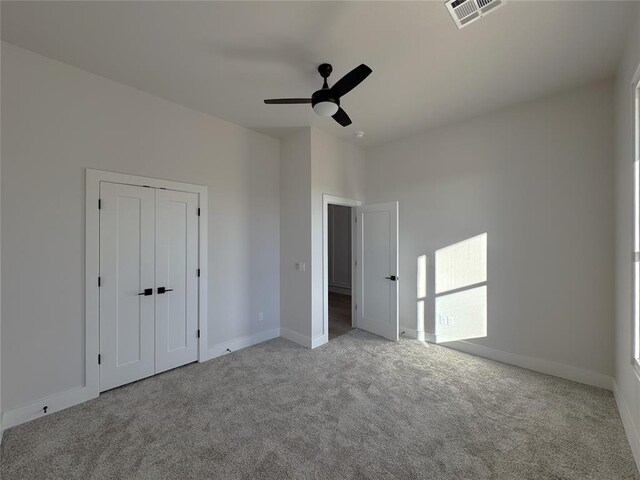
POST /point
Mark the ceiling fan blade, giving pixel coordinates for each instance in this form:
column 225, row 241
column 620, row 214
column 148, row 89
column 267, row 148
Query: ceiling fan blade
column 351, row 80
column 286, row 101
column 342, row 118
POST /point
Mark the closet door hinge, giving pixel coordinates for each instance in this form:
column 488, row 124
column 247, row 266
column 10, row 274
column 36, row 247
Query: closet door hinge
column 99, row 203
column 198, row 272
column 198, row 334
column 198, row 211
column 99, row 359
column 99, row 281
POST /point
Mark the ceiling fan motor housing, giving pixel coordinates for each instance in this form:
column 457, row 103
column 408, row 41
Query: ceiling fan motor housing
column 325, row 69
column 324, row 102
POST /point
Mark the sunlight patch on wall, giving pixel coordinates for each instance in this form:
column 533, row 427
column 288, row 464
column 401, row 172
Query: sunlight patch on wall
column 421, row 264
column 462, row 315
column 461, row 264
column 461, row 290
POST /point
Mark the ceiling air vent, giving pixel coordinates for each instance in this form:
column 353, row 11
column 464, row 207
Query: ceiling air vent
column 465, row 12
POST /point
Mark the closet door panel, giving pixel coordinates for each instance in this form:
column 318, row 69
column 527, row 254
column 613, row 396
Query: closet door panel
column 176, row 279
column 127, row 218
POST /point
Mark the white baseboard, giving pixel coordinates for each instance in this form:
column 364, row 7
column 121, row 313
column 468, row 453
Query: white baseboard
column 240, row 343
column 296, row 337
column 627, row 422
column 410, row 333
column 544, row 366
column 304, row 340
column 319, row 340
column 54, row 403
column 60, row 401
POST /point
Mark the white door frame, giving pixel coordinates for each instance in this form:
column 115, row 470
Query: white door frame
column 92, row 263
column 347, row 202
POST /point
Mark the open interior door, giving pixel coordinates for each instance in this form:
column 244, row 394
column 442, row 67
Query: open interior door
column 377, row 269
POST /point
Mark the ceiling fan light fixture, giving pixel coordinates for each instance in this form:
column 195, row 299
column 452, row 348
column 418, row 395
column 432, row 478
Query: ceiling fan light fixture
column 325, row 109
column 326, row 101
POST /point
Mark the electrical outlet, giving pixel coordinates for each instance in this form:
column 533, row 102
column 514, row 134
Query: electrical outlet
column 260, row 317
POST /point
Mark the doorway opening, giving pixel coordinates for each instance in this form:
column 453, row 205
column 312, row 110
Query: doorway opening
column 340, row 262
column 339, row 269
column 374, row 251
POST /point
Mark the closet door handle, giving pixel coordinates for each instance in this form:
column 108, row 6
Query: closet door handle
column 147, row 292
column 393, row 278
column 162, row 290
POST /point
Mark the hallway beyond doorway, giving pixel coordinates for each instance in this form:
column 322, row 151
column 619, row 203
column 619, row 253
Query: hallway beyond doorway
column 339, row 314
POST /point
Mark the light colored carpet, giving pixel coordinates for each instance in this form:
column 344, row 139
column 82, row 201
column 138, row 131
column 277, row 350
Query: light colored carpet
column 359, row 407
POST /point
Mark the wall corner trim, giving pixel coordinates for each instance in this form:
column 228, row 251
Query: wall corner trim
column 304, row 340
column 627, row 423
column 319, row 340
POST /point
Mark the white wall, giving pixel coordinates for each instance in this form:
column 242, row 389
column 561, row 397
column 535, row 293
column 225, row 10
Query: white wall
column 59, row 120
column 337, row 168
column 537, row 178
column 295, row 236
column 627, row 383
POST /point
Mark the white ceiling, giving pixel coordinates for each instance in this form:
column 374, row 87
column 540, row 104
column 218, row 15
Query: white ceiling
column 224, row 58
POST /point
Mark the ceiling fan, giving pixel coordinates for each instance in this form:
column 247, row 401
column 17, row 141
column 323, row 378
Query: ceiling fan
column 326, row 101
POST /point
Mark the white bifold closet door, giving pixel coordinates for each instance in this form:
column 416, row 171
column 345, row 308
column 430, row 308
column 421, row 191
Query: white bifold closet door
column 148, row 276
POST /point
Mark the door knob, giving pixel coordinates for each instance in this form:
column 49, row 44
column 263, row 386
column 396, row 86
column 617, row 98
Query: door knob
column 147, row 292
column 162, row 290
column 393, row 278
